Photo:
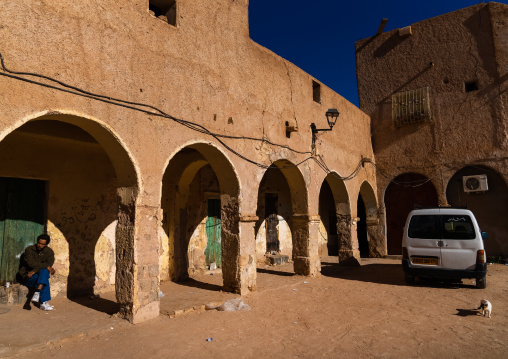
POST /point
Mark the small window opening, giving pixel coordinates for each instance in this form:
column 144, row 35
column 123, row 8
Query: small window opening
column 316, row 91
column 164, row 10
column 471, row 86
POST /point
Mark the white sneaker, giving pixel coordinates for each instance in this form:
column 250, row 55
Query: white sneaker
column 46, row 306
column 36, row 297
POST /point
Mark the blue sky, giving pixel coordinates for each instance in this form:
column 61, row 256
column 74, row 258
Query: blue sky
column 319, row 36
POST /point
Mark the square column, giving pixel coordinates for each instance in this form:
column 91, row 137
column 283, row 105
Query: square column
column 146, row 268
column 248, row 274
column 137, row 258
column 349, row 253
column 305, row 232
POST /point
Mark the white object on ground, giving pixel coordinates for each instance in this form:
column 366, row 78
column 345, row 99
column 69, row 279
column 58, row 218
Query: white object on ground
column 231, row 305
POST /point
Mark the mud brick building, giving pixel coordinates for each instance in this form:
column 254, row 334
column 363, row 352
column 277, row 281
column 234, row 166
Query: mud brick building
column 151, row 139
column 437, row 95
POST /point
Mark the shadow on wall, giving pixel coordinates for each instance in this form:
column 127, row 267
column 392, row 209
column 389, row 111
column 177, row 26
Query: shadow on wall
column 328, row 215
column 192, row 214
column 274, row 214
column 81, row 196
column 401, row 195
column 489, row 207
column 82, row 222
column 389, row 44
column 478, row 25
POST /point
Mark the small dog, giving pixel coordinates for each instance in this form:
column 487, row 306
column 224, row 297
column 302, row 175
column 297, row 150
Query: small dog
column 486, row 307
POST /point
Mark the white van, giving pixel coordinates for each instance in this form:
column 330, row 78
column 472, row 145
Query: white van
column 443, row 243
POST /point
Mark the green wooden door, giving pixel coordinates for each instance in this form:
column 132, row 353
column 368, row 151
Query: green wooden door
column 213, row 251
column 22, row 204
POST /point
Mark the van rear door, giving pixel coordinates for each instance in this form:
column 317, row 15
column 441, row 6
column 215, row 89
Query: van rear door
column 461, row 241
column 423, row 243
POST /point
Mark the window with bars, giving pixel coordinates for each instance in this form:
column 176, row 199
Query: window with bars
column 411, row 107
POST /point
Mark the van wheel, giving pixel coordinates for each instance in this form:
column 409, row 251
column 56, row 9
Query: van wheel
column 408, row 278
column 481, row 283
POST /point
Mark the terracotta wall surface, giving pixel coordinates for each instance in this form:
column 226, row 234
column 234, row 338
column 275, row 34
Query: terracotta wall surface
column 467, row 128
column 205, row 70
column 81, row 206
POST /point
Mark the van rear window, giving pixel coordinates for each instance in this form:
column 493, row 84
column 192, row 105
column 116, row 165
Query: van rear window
column 457, row 227
column 425, row 227
column 441, row 227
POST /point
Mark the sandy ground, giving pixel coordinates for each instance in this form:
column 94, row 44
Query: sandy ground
column 347, row 312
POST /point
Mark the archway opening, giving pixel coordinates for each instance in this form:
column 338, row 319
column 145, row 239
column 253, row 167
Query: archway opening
column 401, row 195
column 488, row 203
column 334, row 212
column 328, row 237
column 273, row 234
column 367, row 217
column 75, row 170
column 281, row 197
column 200, row 215
column 361, row 228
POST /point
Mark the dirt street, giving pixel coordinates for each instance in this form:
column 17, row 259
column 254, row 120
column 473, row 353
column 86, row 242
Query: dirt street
column 347, row 312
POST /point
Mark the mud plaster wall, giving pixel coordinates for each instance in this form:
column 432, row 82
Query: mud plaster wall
column 204, row 186
column 207, row 72
column 81, row 206
column 285, row 239
column 467, row 128
column 274, row 182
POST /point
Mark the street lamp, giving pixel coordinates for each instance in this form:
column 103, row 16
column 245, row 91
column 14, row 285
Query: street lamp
column 331, row 116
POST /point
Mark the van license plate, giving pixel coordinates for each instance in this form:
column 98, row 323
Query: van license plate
column 428, row 261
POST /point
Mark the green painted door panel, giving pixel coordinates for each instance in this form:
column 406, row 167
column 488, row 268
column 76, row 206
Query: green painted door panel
column 213, row 251
column 22, row 203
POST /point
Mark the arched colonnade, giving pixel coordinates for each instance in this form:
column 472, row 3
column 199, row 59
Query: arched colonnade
column 104, row 235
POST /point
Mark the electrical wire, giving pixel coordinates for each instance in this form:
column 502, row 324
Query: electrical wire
column 191, row 125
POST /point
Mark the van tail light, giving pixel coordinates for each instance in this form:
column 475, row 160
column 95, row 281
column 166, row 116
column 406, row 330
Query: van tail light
column 480, row 256
column 404, row 253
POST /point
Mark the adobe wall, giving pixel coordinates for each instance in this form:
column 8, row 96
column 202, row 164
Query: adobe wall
column 81, row 208
column 205, row 70
column 442, row 53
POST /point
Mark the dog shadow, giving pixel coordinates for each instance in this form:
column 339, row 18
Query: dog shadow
column 466, row 312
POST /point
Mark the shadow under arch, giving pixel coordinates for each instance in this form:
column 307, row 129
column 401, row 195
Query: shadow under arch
column 490, row 207
column 91, row 184
column 403, row 192
column 282, row 203
column 367, row 214
column 197, row 176
column 335, row 213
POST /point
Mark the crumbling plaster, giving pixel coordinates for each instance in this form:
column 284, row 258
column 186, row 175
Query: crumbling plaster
column 205, row 70
column 443, row 53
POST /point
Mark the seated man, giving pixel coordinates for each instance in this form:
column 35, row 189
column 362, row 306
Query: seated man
column 36, row 268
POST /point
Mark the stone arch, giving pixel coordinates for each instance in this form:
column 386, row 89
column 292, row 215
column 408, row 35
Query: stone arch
column 489, row 207
column 196, row 175
column 367, row 215
column 403, row 192
column 284, row 185
column 335, row 214
column 91, row 189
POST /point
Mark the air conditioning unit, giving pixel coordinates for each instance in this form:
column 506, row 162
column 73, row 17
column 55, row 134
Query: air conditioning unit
column 476, row 183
